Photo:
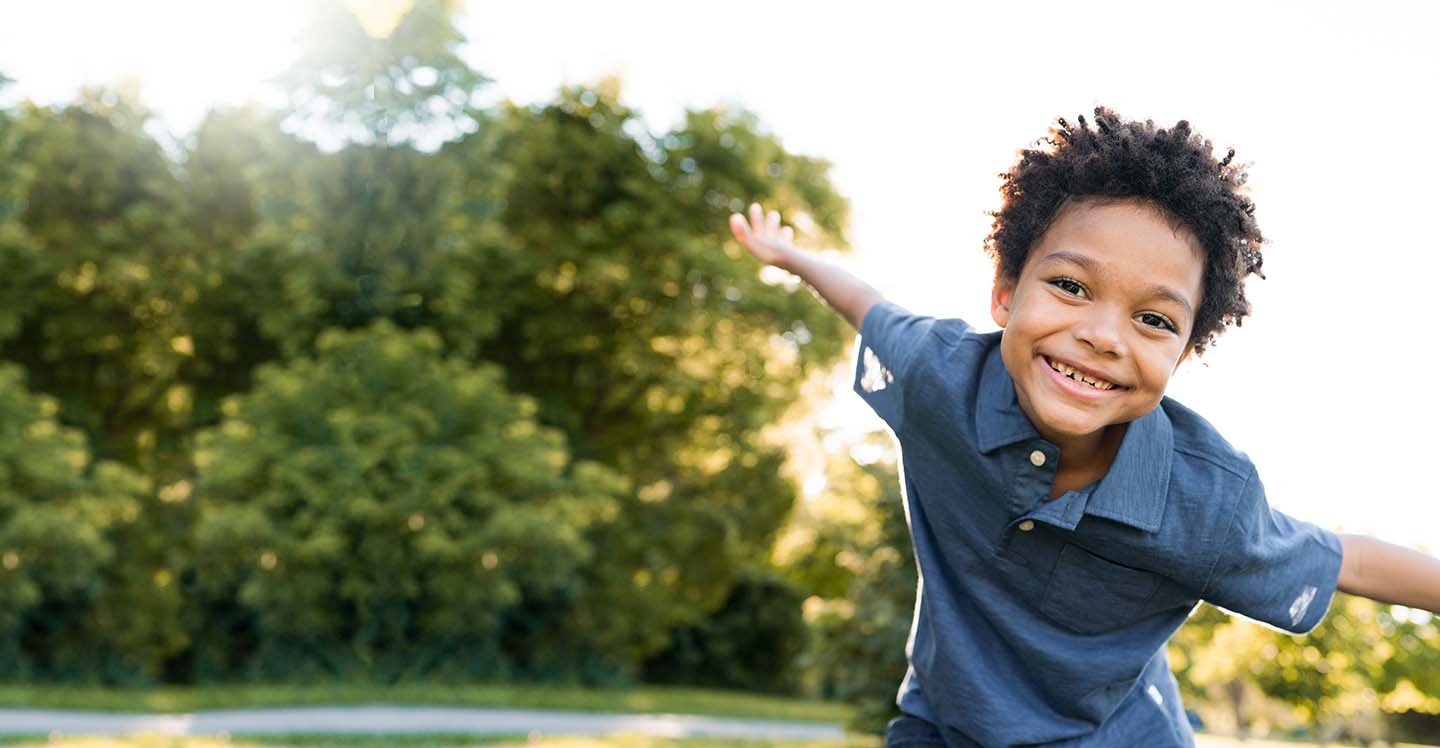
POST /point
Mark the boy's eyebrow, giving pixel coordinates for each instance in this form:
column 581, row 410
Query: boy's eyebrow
column 1155, row 291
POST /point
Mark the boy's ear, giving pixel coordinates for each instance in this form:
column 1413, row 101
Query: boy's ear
column 1000, row 297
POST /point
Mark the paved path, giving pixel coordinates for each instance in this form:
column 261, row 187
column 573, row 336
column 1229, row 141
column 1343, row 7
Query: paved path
column 402, row 719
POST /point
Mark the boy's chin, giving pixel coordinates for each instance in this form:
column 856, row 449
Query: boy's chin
column 1068, row 425
column 1073, row 432
column 1059, row 422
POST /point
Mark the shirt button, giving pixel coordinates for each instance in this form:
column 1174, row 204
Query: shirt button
column 1027, row 525
column 1037, row 458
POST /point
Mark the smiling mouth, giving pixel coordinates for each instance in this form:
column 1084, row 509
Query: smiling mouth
column 1089, row 380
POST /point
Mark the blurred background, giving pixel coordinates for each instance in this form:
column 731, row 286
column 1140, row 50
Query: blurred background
column 400, row 341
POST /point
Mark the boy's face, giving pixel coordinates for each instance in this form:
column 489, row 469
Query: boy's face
column 1109, row 294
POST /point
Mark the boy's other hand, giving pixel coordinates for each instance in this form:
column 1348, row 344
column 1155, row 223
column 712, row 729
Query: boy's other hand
column 763, row 235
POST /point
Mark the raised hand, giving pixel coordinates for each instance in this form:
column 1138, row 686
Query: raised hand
column 763, row 235
column 770, row 243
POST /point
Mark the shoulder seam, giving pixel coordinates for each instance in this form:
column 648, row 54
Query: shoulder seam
column 941, row 330
column 1215, row 460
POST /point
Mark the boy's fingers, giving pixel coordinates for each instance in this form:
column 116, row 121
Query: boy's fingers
column 772, row 222
column 757, row 217
column 739, row 228
column 788, row 233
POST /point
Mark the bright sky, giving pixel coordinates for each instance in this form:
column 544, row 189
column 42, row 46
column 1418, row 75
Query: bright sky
column 1327, row 387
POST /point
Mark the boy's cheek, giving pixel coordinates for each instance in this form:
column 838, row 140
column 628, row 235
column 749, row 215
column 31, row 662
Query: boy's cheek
column 1184, row 356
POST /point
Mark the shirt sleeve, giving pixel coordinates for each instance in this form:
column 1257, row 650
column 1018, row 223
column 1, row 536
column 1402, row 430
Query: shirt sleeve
column 1273, row 568
column 889, row 338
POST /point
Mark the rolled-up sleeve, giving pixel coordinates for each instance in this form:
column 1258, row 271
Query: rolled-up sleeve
column 889, row 337
column 1274, row 568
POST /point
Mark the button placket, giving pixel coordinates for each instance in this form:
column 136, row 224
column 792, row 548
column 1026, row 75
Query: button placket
column 1032, row 486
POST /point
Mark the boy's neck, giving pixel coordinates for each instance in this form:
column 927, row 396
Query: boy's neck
column 1086, row 459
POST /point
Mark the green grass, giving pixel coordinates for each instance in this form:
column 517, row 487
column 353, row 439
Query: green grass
column 646, row 699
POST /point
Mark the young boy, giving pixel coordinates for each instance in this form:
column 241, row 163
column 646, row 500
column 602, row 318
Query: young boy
column 1066, row 516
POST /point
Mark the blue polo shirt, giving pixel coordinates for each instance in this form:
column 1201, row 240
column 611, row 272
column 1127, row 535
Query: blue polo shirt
column 1041, row 622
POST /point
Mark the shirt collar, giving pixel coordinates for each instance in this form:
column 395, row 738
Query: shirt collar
column 999, row 422
column 1134, row 489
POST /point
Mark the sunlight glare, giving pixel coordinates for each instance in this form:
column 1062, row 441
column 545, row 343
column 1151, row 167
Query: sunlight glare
column 191, row 57
column 379, row 17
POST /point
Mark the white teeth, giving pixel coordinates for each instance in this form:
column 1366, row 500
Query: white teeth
column 1070, row 372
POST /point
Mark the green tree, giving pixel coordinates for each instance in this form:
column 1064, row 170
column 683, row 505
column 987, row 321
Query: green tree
column 97, row 306
column 653, row 350
column 362, row 228
column 242, row 207
column 852, row 548
column 752, row 642
column 294, row 241
column 563, row 243
column 379, row 510
column 100, row 261
column 62, row 597
column 314, row 238
column 469, row 242
column 383, row 77
column 19, row 259
column 1410, row 667
column 1334, row 683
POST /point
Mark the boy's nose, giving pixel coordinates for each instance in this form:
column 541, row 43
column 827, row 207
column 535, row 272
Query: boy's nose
column 1102, row 333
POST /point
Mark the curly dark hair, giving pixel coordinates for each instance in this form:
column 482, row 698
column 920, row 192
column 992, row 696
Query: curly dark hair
column 1173, row 169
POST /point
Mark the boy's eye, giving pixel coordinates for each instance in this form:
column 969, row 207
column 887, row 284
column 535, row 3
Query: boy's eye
column 1152, row 319
column 1069, row 286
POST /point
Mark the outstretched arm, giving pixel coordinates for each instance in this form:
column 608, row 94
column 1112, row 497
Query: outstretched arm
column 1389, row 573
column 771, row 244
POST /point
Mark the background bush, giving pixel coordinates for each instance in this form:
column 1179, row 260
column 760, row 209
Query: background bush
column 378, row 509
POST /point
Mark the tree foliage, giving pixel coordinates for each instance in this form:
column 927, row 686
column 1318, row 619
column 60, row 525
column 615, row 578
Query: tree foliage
column 655, row 352
column 1360, row 662
column 562, row 248
column 752, row 642
column 383, row 78
column 856, row 555
column 380, row 508
column 100, row 262
column 65, row 590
